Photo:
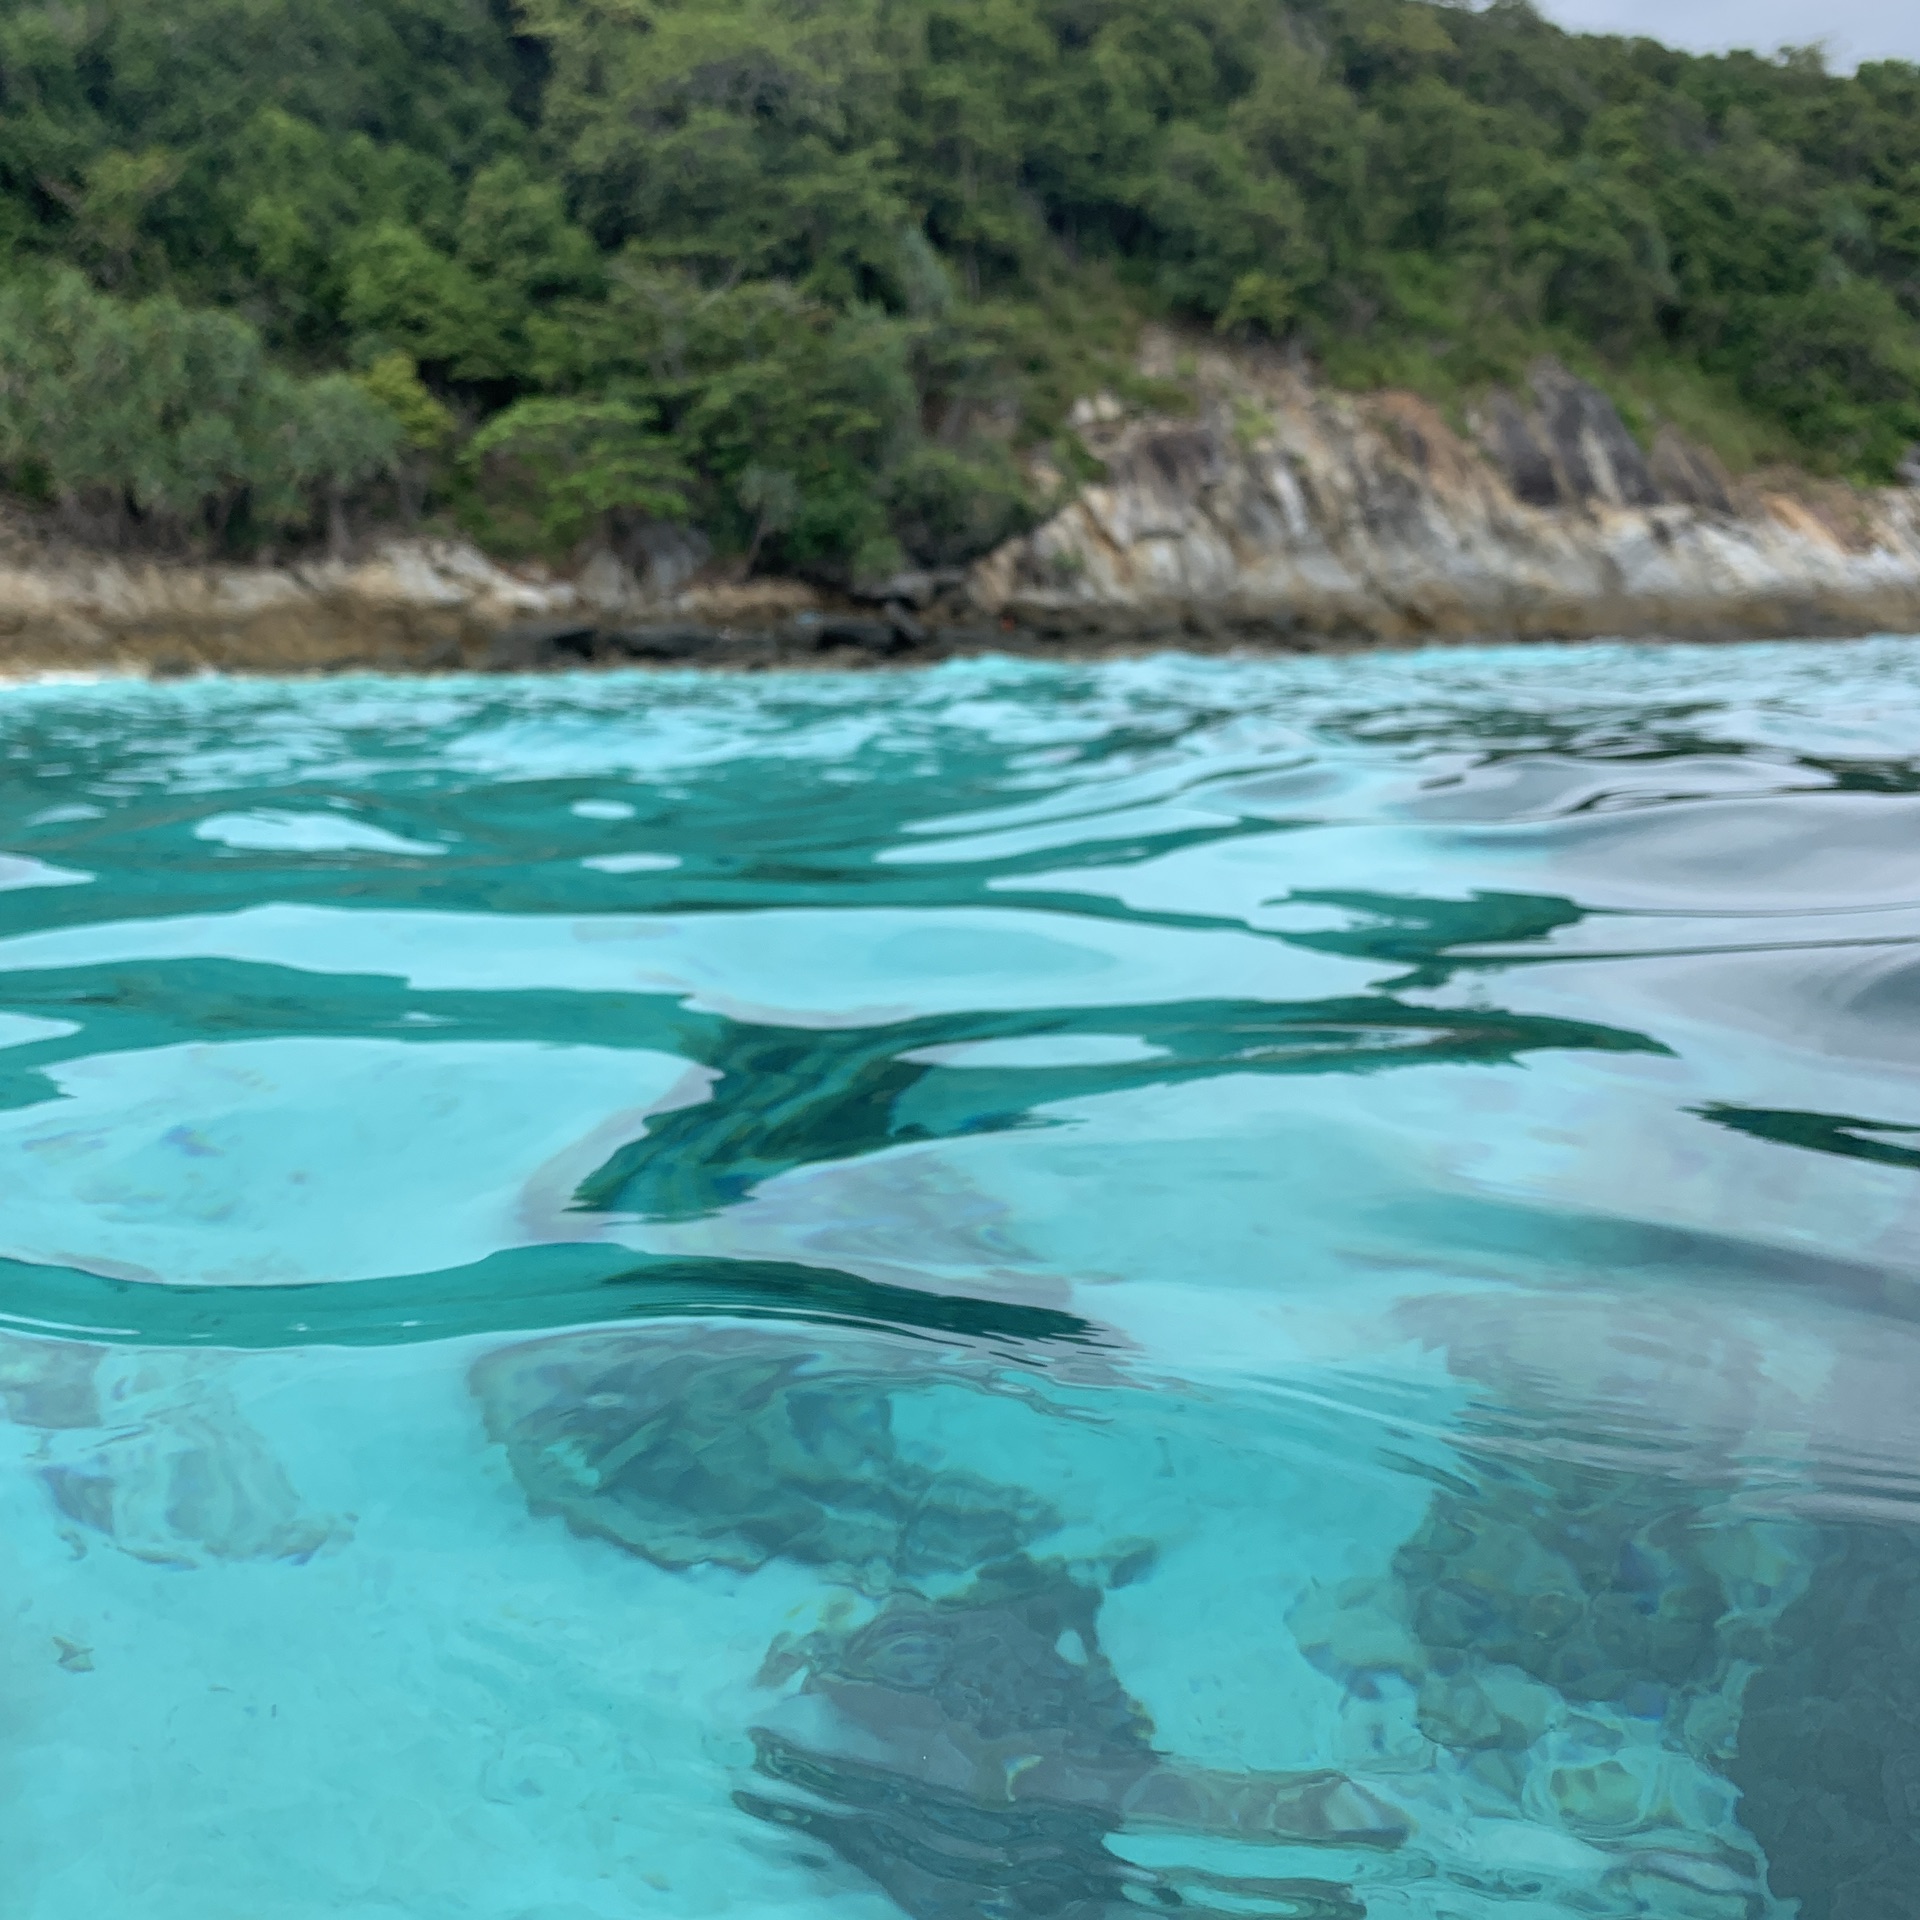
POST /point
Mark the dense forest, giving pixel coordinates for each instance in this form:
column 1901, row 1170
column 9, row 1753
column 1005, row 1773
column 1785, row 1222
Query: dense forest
column 813, row 275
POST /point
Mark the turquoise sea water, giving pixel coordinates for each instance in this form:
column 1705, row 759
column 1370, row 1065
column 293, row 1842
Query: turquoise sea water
column 1276, row 1288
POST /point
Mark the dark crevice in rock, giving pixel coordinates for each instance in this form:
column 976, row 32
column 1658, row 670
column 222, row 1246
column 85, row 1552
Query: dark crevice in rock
column 1572, row 448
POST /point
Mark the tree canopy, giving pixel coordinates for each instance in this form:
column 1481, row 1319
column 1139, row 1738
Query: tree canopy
column 812, row 273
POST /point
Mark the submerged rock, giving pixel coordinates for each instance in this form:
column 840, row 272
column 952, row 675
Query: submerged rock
column 733, row 1446
column 1579, row 1585
column 186, row 1488
column 968, row 1756
column 905, row 1749
column 971, row 1755
column 1828, row 1761
column 49, row 1384
column 1576, row 1642
column 152, row 1453
column 967, row 1746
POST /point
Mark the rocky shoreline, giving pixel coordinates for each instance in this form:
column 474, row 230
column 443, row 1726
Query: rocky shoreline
column 1272, row 515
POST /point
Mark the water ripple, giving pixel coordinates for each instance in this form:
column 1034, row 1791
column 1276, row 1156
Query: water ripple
column 1240, row 1286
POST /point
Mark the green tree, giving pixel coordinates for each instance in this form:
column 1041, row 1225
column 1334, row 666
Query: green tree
column 820, row 270
column 591, row 458
column 151, row 412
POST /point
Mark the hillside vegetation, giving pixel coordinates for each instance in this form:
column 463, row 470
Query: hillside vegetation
column 812, row 275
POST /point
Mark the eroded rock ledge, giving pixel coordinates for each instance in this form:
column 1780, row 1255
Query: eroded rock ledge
column 1273, row 514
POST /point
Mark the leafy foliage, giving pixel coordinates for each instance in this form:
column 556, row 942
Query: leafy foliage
column 147, row 411
column 590, row 457
column 812, row 272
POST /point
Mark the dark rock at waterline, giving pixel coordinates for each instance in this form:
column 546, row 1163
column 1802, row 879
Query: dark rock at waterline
column 667, row 642
column 907, row 631
column 896, row 632
column 542, row 643
column 732, row 1446
column 532, row 645
column 918, row 588
column 551, row 644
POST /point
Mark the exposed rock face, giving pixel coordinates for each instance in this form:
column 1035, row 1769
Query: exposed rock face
column 420, row 603
column 1285, row 513
column 1573, row 449
column 1274, row 513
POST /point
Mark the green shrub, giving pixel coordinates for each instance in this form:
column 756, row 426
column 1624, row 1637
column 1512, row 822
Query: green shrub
column 149, row 411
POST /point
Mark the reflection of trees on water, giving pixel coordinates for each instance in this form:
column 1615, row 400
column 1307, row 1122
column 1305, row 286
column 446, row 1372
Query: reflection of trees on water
column 790, row 1098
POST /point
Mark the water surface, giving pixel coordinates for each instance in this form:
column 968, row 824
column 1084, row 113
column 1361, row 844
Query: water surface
column 1276, row 1288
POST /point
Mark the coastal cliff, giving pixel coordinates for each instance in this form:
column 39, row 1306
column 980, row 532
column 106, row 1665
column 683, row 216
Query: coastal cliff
column 1269, row 512
column 1285, row 513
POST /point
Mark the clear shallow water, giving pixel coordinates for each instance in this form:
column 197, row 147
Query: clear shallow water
column 1277, row 1288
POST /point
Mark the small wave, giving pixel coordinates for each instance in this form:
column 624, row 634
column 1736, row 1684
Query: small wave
column 1253, row 1286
